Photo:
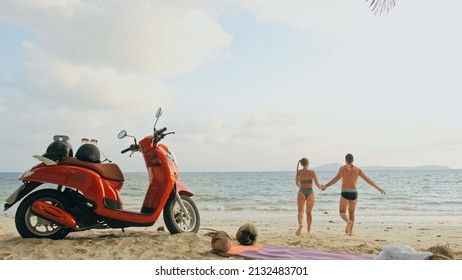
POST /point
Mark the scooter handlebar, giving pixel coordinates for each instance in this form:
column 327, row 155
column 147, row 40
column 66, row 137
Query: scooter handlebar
column 126, row 150
column 160, row 131
column 133, row 148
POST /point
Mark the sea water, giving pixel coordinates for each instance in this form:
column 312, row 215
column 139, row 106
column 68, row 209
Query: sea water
column 433, row 196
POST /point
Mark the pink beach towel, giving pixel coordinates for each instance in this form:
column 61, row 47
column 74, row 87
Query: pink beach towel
column 266, row 252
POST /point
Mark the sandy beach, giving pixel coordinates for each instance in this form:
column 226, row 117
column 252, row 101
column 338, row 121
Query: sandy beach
column 150, row 244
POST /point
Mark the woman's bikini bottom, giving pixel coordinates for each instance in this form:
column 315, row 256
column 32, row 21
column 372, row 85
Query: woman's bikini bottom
column 306, row 191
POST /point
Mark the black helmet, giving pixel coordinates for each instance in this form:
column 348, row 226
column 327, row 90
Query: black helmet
column 59, row 150
column 88, row 152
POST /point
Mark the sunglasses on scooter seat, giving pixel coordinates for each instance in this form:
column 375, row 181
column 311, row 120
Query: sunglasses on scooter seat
column 61, row 138
column 91, row 141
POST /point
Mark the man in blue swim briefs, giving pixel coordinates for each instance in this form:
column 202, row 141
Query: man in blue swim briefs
column 349, row 194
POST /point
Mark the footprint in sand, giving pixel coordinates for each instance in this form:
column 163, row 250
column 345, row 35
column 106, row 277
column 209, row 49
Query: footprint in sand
column 80, row 250
column 295, row 243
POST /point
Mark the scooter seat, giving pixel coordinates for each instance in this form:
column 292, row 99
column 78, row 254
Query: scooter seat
column 110, row 171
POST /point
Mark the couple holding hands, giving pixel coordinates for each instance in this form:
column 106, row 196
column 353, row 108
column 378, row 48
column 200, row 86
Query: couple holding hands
column 348, row 197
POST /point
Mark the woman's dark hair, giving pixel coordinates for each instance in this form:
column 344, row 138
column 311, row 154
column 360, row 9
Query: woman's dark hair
column 304, row 162
column 349, row 158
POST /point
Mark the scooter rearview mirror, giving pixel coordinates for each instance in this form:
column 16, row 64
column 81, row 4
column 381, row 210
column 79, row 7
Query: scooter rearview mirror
column 159, row 112
column 122, row 134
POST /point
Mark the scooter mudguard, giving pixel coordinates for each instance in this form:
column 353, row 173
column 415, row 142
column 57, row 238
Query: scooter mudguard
column 183, row 189
column 21, row 192
column 53, row 213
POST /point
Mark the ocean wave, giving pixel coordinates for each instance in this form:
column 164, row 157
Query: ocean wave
column 251, row 208
column 213, row 208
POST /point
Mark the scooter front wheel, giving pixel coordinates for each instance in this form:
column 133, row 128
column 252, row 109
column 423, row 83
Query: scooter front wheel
column 31, row 226
column 176, row 219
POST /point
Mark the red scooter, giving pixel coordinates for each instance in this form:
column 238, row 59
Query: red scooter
column 87, row 192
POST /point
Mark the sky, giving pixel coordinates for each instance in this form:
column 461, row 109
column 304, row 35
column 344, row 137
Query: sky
column 246, row 85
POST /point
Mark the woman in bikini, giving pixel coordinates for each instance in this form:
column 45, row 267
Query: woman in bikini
column 349, row 194
column 304, row 180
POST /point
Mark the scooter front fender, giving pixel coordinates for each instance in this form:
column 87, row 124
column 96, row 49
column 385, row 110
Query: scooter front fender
column 183, row 189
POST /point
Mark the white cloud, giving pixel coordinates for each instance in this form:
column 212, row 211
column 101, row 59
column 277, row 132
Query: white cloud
column 91, row 68
column 143, row 37
column 53, row 82
column 105, row 54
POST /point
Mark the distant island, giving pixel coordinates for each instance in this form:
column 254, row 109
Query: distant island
column 336, row 166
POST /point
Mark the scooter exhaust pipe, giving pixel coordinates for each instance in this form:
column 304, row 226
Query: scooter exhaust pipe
column 53, row 213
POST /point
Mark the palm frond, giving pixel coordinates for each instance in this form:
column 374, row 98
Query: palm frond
column 380, row 7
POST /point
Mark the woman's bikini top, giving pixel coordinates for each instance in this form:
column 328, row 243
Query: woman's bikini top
column 310, row 181
column 306, row 181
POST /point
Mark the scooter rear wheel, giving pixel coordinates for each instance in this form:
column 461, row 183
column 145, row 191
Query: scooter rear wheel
column 31, row 226
column 176, row 220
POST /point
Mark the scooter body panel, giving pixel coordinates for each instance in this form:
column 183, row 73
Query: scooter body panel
column 90, row 183
column 162, row 172
column 53, row 213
